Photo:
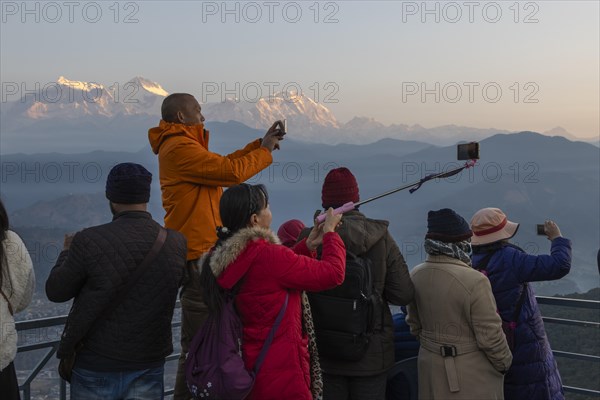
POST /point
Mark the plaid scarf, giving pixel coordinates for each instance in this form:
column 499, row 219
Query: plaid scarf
column 459, row 250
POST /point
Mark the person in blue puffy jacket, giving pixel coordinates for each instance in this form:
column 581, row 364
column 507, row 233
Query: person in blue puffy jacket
column 534, row 374
column 405, row 344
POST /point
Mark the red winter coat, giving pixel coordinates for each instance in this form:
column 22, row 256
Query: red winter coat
column 269, row 270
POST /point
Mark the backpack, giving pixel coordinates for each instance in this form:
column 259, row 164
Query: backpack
column 214, row 367
column 508, row 327
column 344, row 316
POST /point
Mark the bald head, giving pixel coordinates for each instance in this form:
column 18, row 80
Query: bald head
column 181, row 108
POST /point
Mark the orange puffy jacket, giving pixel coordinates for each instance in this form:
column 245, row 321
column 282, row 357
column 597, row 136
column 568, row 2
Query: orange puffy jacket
column 191, row 179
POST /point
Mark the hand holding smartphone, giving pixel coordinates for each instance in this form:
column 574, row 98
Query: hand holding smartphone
column 282, row 126
column 541, row 230
column 274, row 135
column 549, row 229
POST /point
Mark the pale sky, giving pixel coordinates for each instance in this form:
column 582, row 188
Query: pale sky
column 506, row 64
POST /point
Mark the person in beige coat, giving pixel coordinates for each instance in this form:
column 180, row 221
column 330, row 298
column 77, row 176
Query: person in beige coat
column 464, row 353
column 17, row 283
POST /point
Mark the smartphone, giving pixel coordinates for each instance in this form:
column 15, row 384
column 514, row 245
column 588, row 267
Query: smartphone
column 541, row 230
column 284, row 125
column 468, row 151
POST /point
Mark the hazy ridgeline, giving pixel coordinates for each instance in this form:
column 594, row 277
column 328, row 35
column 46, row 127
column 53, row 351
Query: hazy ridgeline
column 530, row 176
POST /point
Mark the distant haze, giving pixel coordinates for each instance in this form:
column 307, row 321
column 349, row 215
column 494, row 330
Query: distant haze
column 74, row 116
column 530, row 176
column 501, row 65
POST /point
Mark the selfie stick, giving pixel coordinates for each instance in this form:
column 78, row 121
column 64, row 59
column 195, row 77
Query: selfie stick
column 415, row 186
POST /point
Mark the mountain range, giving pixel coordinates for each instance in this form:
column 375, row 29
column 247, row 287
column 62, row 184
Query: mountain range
column 530, row 176
column 73, row 116
column 53, row 184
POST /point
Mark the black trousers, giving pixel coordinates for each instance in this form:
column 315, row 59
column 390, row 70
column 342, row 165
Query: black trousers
column 9, row 386
column 337, row 387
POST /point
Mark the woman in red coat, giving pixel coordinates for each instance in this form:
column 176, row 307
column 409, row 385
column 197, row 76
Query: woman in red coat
column 249, row 259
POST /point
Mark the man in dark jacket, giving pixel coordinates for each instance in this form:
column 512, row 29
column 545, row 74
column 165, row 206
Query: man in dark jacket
column 124, row 342
column 367, row 238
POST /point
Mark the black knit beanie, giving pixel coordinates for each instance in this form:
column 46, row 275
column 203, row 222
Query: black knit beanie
column 447, row 226
column 128, row 183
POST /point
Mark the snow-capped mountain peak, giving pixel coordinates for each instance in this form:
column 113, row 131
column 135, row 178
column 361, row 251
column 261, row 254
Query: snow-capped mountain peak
column 307, row 119
column 363, row 123
column 74, row 100
column 149, row 86
column 85, row 86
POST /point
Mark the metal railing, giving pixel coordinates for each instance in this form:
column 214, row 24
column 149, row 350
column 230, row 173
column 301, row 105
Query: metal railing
column 57, row 322
column 52, row 347
column 575, row 303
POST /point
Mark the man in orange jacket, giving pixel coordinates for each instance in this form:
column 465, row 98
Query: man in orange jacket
column 191, row 181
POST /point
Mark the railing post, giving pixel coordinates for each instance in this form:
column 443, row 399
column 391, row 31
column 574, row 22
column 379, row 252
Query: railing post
column 57, row 321
column 63, row 389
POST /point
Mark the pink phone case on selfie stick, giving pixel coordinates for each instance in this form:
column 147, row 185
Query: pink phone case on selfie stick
column 340, row 210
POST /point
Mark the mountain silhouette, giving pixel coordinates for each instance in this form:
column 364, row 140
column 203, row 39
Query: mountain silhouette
column 530, row 176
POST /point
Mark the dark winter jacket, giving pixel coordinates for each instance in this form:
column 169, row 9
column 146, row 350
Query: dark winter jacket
column 405, row 344
column 100, row 260
column 369, row 238
column 533, row 374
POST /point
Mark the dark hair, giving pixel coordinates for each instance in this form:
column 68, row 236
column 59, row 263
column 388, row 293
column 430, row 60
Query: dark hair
column 237, row 205
column 3, row 229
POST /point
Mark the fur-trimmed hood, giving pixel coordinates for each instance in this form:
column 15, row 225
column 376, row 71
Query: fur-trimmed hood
column 226, row 255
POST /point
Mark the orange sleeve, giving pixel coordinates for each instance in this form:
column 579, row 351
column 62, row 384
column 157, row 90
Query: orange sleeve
column 247, row 149
column 193, row 163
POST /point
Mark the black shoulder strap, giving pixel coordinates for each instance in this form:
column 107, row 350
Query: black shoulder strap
column 125, row 289
column 520, row 303
column 267, row 344
column 482, row 265
column 523, row 290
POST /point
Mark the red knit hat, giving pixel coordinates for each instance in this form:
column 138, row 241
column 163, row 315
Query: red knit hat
column 339, row 188
column 289, row 231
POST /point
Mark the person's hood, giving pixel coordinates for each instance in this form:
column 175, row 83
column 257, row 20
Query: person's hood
column 165, row 130
column 225, row 261
column 360, row 233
